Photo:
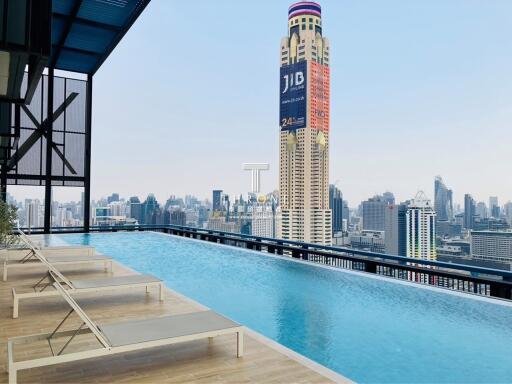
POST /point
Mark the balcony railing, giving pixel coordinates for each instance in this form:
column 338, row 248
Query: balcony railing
column 464, row 278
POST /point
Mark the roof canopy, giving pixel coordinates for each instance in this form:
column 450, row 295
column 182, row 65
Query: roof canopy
column 84, row 32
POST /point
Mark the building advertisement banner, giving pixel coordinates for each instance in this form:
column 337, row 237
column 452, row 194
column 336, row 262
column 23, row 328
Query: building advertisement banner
column 292, row 96
column 319, row 99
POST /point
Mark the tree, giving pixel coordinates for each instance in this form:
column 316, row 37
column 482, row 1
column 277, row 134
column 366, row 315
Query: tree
column 8, row 218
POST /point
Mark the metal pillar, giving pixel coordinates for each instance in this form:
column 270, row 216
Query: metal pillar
column 49, row 153
column 87, row 173
column 3, row 186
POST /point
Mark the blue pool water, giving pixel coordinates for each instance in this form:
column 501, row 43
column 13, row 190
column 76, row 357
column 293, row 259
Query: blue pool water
column 367, row 329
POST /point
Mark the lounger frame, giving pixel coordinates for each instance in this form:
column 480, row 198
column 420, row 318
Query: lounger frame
column 15, row 366
column 105, row 349
column 107, row 264
column 55, row 276
column 26, row 262
column 17, row 297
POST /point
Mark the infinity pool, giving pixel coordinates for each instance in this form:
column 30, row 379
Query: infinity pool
column 367, row 329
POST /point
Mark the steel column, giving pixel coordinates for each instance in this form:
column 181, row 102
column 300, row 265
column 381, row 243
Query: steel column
column 87, row 173
column 3, row 186
column 49, row 153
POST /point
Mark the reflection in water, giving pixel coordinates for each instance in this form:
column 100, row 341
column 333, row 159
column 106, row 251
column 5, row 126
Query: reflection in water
column 302, row 322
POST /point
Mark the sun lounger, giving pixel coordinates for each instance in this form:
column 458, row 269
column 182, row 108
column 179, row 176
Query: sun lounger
column 83, row 286
column 122, row 337
column 34, row 258
column 28, row 243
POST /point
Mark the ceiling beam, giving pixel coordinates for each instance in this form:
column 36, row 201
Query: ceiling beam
column 81, row 51
column 70, row 19
column 90, row 23
column 120, row 34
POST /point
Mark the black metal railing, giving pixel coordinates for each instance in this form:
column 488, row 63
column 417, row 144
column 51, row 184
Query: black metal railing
column 465, row 278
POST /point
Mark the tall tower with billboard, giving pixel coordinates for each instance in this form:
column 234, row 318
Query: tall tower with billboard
column 304, row 127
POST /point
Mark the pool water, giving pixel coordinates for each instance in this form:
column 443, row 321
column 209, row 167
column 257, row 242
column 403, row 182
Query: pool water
column 367, row 329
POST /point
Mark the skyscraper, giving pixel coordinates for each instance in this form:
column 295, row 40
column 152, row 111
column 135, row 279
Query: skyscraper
column 112, row 198
column 507, row 211
column 217, row 200
column 135, row 208
column 421, row 228
column 150, row 210
column 388, row 197
column 481, row 210
column 373, row 213
column 443, row 203
column 469, row 211
column 395, row 229
column 304, row 127
column 494, row 208
column 336, row 205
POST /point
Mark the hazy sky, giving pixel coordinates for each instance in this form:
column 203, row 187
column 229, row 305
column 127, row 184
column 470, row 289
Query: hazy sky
column 418, row 89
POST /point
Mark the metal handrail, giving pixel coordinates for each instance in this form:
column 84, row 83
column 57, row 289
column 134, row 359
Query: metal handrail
column 290, row 245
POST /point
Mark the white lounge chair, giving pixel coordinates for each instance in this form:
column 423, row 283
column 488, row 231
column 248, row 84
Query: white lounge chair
column 33, row 258
column 29, row 243
column 83, row 286
column 124, row 336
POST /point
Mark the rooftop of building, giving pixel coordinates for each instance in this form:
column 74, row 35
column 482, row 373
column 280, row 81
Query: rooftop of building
column 304, row 8
column 493, row 233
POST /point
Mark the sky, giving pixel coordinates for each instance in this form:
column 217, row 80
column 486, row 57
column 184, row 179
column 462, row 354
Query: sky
column 418, row 89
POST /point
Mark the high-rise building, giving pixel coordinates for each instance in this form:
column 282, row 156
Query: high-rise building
column 202, row 216
column 443, row 203
column 117, row 208
column 32, row 208
column 219, row 223
column 421, row 228
column 113, row 198
column 373, row 211
column 336, row 205
column 150, row 211
column 494, row 208
column 371, row 241
column 492, row 246
column 395, row 231
column 304, row 127
column 469, row 211
column 135, row 208
column 82, row 205
column 217, row 200
column 388, row 197
column 507, row 211
column 178, row 217
column 346, row 211
column 262, row 220
column 481, row 210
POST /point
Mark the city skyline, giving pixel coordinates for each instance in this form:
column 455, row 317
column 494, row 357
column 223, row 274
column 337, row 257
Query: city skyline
column 449, row 106
column 66, row 194
column 182, row 175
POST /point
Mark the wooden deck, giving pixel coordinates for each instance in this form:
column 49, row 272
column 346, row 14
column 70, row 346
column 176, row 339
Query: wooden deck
column 197, row 362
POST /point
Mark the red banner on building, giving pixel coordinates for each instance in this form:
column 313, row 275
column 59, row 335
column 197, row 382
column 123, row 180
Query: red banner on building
column 319, row 91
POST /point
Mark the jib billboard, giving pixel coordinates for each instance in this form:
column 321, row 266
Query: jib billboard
column 292, row 96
